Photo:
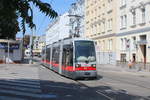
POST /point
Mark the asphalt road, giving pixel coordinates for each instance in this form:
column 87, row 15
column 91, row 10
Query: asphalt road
column 108, row 86
column 35, row 82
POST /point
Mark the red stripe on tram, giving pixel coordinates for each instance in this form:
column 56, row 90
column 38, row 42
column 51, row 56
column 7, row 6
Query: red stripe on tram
column 85, row 68
column 70, row 68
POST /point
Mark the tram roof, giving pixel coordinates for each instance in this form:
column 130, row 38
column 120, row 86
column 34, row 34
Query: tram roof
column 71, row 39
column 82, row 39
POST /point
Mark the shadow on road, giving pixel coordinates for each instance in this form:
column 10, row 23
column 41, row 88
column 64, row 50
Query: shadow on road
column 28, row 89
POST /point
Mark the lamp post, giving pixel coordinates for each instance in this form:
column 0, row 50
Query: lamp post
column 8, row 51
column 31, row 47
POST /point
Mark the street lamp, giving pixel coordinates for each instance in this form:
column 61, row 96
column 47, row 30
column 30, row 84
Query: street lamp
column 8, row 51
column 31, row 47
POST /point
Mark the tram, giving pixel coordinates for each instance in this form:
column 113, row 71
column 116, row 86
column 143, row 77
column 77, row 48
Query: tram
column 73, row 57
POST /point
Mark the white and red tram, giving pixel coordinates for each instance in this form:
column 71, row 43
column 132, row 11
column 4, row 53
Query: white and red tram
column 72, row 57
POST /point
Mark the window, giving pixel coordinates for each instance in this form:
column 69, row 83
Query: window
column 134, row 17
column 121, row 24
column 110, row 44
column 110, row 24
column 121, row 44
column 109, row 1
column 143, row 15
column 123, row 2
column 133, row 43
column 123, row 21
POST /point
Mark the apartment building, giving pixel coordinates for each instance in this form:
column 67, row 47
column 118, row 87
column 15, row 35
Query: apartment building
column 58, row 29
column 100, row 25
column 133, row 31
column 68, row 24
column 76, row 14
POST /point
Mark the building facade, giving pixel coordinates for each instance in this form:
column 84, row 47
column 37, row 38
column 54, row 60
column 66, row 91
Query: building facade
column 67, row 25
column 133, row 31
column 76, row 13
column 100, row 25
column 58, row 29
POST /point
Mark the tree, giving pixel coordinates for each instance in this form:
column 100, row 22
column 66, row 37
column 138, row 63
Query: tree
column 26, row 40
column 11, row 10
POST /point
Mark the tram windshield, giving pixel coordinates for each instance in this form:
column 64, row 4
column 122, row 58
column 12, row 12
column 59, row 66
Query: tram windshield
column 85, row 51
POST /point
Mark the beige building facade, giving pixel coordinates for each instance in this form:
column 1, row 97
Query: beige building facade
column 100, row 25
column 133, row 31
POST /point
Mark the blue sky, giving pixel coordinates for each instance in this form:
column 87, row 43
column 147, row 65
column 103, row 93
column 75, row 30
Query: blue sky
column 42, row 21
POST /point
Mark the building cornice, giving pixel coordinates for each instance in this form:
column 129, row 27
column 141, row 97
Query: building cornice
column 133, row 32
column 104, row 36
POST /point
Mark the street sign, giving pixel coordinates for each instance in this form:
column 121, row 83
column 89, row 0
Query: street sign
column 11, row 46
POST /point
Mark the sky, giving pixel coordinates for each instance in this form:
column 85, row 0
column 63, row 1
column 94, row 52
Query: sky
column 42, row 21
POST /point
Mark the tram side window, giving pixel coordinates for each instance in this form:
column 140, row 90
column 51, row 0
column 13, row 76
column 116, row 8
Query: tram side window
column 48, row 54
column 55, row 55
column 43, row 54
column 67, row 59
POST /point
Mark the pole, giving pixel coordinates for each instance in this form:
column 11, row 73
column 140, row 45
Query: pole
column 31, row 47
column 8, row 52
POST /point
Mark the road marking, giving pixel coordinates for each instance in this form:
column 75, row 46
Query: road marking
column 19, row 84
column 33, row 95
column 19, row 88
column 10, row 98
column 100, row 92
column 25, row 81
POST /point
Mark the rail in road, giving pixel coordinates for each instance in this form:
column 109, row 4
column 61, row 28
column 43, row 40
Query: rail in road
column 106, row 93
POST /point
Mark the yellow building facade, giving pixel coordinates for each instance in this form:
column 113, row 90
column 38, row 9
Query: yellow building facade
column 100, row 25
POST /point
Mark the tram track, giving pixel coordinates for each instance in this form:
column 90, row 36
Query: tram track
column 98, row 91
column 83, row 85
column 119, row 79
column 116, row 88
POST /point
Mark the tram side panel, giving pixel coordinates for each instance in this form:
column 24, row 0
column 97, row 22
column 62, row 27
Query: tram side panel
column 55, row 58
column 48, row 57
column 67, row 60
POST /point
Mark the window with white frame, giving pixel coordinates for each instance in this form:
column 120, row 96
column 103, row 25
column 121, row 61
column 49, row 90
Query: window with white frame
column 134, row 18
column 123, row 21
column 110, row 44
column 103, row 44
column 133, row 45
column 123, row 2
column 143, row 15
column 121, row 44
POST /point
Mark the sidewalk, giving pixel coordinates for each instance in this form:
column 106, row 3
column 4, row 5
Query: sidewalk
column 18, row 71
column 125, row 69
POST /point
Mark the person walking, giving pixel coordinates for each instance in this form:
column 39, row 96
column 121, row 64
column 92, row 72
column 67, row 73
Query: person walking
column 130, row 64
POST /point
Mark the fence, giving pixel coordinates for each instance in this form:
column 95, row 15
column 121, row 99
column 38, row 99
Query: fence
column 106, row 58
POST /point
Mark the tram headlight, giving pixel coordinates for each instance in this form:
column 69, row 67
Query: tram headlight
column 78, row 65
column 93, row 65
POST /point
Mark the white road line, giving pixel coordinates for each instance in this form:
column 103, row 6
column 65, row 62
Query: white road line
column 19, row 84
column 33, row 95
column 100, row 92
column 19, row 88
column 10, row 98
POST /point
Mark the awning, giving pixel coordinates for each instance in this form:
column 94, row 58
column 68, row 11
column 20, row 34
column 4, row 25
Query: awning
column 142, row 42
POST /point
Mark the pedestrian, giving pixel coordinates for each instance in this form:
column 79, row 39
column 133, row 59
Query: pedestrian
column 130, row 64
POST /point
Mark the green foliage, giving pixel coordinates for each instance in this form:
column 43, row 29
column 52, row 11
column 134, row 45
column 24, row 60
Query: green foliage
column 11, row 10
